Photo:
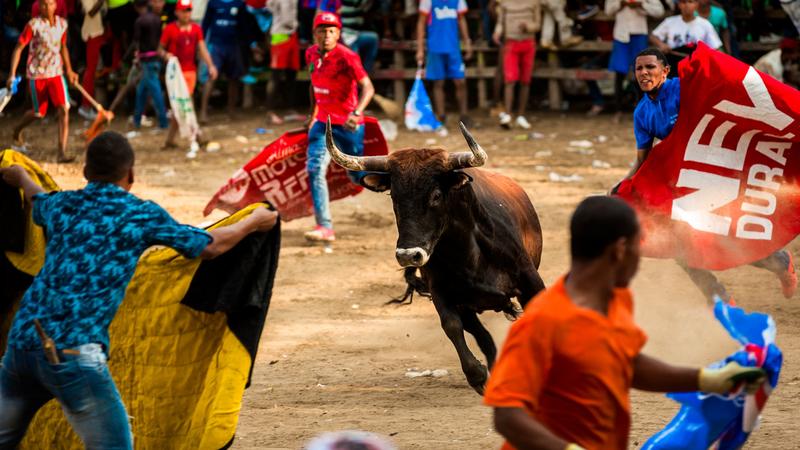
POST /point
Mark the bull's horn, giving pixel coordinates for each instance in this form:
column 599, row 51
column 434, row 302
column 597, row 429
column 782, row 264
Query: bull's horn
column 463, row 160
column 368, row 163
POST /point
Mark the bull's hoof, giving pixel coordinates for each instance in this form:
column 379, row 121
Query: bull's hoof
column 477, row 379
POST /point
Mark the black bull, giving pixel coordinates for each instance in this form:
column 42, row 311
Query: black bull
column 473, row 234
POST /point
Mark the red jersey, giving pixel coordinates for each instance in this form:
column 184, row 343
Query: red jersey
column 183, row 44
column 335, row 78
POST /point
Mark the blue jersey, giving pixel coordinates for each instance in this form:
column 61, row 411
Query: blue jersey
column 94, row 239
column 442, row 30
column 222, row 22
column 656, row 118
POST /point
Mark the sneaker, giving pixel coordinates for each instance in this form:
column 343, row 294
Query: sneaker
column 595, row 110
column 505, row 120
column 320, row 234
column 548, row 46
column 588, row 12
column 572, row 41
column 523, row 123
column 788, row 278
column 87, row 113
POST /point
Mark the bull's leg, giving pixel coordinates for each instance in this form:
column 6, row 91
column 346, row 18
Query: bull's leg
column 531, row 286
column 453, row 327
column 484, row 339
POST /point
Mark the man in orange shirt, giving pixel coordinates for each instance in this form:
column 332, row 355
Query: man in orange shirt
column 567, row 365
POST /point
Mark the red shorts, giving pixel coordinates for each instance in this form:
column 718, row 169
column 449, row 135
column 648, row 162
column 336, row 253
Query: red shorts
column 191, row 80
column 45, row 91
column 518, row 60
column 286, row 54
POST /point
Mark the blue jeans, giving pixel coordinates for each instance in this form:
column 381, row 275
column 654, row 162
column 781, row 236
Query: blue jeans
column 350, row 142
column 150, row 84
column 82, row 385
column 366, row 45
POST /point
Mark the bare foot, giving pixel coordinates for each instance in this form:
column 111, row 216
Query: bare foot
column 63, row 158
column 274, row 119
column 169, row 145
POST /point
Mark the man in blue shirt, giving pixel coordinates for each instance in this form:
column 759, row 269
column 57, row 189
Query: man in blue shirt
column 654, row 117
column 227, row 26
column 95, row 237
column 444, row 20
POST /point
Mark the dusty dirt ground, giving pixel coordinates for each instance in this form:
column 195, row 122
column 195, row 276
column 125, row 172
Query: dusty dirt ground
column 333, row 357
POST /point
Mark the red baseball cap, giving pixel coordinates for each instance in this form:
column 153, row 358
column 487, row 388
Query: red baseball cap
column 327, row 19
column 183, row 5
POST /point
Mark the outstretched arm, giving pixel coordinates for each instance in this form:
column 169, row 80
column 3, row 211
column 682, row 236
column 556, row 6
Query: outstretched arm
column 225, row 238
column 17, row 177
column 651, row 374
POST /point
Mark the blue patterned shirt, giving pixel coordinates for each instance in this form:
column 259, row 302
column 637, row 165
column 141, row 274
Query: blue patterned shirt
column 95, row 237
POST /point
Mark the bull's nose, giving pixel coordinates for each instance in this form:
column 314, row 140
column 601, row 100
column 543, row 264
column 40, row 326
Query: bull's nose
column 411, row 257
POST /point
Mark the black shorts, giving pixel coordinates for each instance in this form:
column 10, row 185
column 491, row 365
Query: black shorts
column 121, row 20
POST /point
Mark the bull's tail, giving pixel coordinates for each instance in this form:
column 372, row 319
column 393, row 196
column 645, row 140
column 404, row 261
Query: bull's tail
column 415, row 284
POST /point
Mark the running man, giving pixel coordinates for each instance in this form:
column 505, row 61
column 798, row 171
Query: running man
column 336, row 77
column 48, row 60
column 564, row 375
column 95, row 238
column 654, row 117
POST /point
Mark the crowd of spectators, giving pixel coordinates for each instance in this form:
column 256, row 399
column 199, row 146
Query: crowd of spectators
column 247, row 41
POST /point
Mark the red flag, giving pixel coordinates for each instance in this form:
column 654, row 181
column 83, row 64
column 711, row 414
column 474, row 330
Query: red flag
column 278, row 175
column 722, row 189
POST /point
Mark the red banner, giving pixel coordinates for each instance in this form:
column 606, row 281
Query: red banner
column 278, row 175
column 722, row 189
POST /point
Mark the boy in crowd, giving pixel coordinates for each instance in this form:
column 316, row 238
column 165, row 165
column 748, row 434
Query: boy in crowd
column 718, row 19
column 48, row 60
column 95, row 237
column 682, row 30
column 630, row 38
column 284, row 55
column 184, row 40
column 517, row 24
column 95, row 34
column 782, row 63
column 226, row 28
column 354, row 35
column 146, row 38
column 567, row 366
column 553, row 12
column 443, row 21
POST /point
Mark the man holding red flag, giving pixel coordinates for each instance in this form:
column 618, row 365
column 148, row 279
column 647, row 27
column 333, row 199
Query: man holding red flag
column 336, row 76
column 655, row 117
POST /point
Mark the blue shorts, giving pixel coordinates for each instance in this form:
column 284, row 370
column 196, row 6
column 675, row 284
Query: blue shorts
column 228, row 59
column 444, row 66
column 623, row 55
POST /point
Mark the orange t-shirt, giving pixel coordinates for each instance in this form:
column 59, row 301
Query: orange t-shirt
column 571, row 368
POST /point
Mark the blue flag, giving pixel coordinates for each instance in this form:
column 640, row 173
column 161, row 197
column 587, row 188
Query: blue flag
column 419, row 112
column 726, row 421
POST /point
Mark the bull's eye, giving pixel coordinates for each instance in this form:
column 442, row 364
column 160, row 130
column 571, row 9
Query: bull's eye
column 436, row 197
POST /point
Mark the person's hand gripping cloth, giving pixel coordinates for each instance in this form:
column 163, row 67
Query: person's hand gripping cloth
column 725, row 415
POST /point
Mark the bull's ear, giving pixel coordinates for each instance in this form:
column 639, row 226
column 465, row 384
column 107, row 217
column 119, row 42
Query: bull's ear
column 378, row 182
column 457, row 179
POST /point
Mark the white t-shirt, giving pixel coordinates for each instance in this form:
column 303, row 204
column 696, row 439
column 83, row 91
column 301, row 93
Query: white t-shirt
column 92, row 26
column 674, row 32
column 771, row 64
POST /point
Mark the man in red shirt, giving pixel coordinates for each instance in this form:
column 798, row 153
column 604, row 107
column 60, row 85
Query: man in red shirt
column 336, row 76
column 567, row 365
column 184, row 40
column 48, row 59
